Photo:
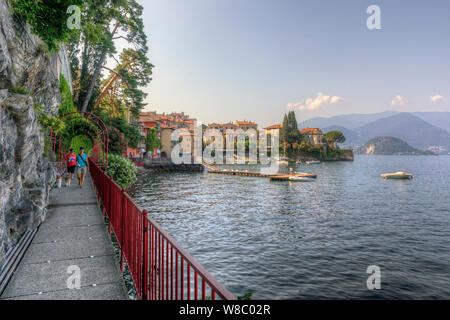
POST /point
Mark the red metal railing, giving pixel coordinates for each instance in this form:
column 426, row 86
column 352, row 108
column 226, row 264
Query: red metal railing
column 160, row 268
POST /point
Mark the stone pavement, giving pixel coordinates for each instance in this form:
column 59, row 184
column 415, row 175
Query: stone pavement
column 73, row 234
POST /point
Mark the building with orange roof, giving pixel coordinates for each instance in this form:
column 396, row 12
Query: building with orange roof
column 246, row 125
column 165, row 125
column 313, row 135
column 223, row 127
column 270, row 131
column 274, row 127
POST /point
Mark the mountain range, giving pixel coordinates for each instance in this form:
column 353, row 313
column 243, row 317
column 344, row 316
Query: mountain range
column 421, row 130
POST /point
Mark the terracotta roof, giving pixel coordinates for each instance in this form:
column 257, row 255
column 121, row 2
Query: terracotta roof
column 221, row 124
column 311, row 131
column 245, row 122
column 275, row 126
column 148, row 118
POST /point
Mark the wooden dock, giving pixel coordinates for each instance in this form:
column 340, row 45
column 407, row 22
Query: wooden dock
column 274, row 177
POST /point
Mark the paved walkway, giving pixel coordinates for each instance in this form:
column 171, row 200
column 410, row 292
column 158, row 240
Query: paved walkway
column 72, row 235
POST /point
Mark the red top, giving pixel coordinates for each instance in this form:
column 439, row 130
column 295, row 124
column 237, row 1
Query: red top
column 71, row 159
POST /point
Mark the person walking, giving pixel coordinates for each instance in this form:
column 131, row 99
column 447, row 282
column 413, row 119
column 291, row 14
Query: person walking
column 71, row 160
column 82, row 167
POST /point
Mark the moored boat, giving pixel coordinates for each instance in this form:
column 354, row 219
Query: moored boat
column 300, row 179
column 305, row 174
column 400, row 175
column 313, row 162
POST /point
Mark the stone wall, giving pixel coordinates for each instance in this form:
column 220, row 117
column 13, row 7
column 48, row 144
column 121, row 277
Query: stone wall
column 159, row 164
column 25, row 175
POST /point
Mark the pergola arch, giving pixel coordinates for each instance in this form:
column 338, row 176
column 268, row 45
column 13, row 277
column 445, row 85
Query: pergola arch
column 100, row 142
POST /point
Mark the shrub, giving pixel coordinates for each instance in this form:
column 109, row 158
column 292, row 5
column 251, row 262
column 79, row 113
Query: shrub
column 122, row 170
column 19, row 90
column 48, row 122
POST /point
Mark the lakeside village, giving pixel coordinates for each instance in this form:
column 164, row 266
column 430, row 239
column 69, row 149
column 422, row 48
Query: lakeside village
column 296, row 145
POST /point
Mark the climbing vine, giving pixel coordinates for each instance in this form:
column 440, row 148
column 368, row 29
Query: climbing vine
column 49, row 122
column 47, row 18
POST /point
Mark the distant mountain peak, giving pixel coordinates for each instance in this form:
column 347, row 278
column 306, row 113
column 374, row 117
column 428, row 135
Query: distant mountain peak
column 389, row 146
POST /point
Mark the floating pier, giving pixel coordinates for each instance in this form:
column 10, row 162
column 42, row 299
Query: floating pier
column 273, row 177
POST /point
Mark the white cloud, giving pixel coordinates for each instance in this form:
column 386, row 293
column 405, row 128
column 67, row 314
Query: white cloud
column 436, row 98
column 399, row 101
column 314, row 103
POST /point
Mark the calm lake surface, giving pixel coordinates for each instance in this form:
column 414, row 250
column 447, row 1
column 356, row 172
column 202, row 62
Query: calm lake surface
column 292, row 240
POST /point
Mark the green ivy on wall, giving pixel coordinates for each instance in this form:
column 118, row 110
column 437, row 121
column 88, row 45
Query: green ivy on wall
column 47, row 18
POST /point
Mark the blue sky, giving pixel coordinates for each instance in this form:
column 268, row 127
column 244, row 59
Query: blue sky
column 223, row 60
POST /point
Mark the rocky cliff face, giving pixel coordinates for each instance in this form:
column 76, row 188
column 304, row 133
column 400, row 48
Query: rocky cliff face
column 25, row 175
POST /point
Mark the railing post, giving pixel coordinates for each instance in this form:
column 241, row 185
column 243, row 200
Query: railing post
column 122, row 228
column 110, row 202
column 144, row 256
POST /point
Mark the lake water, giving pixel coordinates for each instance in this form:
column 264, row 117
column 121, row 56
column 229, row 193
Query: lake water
column 292, row 240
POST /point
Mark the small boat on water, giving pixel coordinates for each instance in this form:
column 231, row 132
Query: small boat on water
column 283, row 161
column 397, row 175
column 307, row 175
column 313, row 162
column 301, row 179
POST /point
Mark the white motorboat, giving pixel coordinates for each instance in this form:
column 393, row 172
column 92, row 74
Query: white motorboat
column 313, row 162
column 397, row 175
column 301, row 179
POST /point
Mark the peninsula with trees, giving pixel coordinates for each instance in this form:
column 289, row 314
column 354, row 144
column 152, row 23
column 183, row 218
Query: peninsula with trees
column 310, row 143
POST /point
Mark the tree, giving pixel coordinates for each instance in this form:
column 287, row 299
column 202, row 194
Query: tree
column 293, row 126
column 284, row 129
column 121, row 94
column 334, row 137
column 153, row 141
column 289, row 132
column 117, row 144
column 104, row 21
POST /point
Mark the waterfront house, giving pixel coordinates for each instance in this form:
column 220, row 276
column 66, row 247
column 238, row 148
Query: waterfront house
column 270, row 131
column 223, row 127
column 165, row 125
column 313, row 135
column 246, row 125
